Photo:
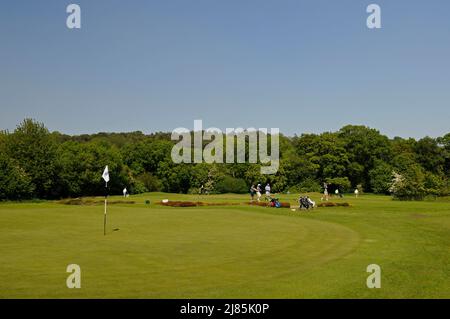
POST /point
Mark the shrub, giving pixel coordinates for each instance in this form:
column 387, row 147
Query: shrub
column 150, row 182
column 435, row 185
column 381, row 178
column 138, row 187
column 307, row 186
column 14, row 182
column 342, row 183
column 409, row 185
column 229, row 184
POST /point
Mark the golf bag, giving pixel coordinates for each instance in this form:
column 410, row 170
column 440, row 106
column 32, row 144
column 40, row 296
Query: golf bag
column 275, row 202
column 306, row 202
column 311, row 202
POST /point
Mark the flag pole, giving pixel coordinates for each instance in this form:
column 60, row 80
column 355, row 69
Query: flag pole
column 105, row 177
column 104, row 218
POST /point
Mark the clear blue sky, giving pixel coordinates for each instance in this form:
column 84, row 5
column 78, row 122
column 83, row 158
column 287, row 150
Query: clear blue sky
column 301, row 66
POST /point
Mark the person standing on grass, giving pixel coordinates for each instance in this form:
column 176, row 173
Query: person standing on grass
column 125, row 192
column 325, row 192
column 356, row 192
column 252, row 193
column 268, row 189
column 258, row 192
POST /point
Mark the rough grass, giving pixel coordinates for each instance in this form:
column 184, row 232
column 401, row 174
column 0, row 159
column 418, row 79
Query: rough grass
column 238, row 251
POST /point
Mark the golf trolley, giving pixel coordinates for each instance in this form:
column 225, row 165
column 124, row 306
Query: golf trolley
column 273, row 202
column 306, row 203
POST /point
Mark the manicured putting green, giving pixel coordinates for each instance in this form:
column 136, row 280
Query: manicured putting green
column 160, row 252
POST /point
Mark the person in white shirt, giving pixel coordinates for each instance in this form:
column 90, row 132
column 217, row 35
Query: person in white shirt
column 356, row 193
column 268, row 190
column 125, row 192
column 325, row 192
column 258, row 192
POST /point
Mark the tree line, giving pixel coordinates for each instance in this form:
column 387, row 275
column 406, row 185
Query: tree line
column 36, row 163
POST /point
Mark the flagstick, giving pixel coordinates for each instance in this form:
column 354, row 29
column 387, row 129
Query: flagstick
column 104, row 218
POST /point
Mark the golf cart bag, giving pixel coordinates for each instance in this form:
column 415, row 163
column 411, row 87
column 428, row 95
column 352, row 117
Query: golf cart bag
column 311, row 202
column 275, row 202
column 306, row 202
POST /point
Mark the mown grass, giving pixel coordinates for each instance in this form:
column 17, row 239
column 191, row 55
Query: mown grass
column 237, row 251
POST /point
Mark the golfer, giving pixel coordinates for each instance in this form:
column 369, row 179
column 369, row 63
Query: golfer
column 356, row 193
column 125, row 192
column 253, row 192
column 268, row 189
column 325, row 192
column 258, row 192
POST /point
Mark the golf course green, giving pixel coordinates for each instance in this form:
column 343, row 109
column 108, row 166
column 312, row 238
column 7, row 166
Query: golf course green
column 230, row 251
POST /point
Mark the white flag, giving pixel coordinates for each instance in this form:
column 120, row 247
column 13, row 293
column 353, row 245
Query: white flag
column 106, row 174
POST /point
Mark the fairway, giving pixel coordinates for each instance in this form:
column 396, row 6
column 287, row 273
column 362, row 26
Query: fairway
column 234, row 251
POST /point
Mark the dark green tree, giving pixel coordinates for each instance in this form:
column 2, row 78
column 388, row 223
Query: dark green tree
column 34, row 150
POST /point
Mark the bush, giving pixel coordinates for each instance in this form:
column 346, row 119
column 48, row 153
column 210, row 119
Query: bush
column 306, row 186
column 150, row 182
column 310, row 185
column 409, row 185
column 229, row 184
column 381, row 178
column 435, row 185
column 138, row 188
column 14, row 182
column 342, row 183
column 35, row 151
